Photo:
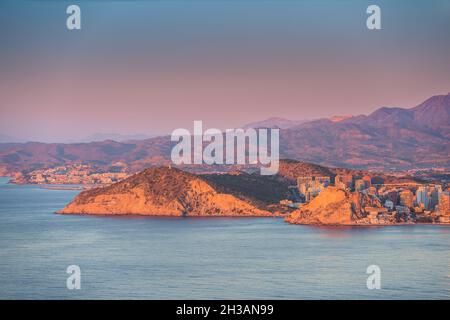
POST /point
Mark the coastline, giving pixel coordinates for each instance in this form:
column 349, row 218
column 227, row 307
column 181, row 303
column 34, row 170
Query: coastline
column 274, row 214
column 373, row 224
column 251, row 216
column 57, row 187
column 151, row 216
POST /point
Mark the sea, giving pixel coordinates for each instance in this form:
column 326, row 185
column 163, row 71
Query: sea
column 133, row 257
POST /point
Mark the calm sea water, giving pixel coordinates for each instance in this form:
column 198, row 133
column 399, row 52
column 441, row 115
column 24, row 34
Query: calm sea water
column 207, row 258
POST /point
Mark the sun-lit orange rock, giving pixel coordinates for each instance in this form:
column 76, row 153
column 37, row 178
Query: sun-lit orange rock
column 331, row 207
column 162, row 192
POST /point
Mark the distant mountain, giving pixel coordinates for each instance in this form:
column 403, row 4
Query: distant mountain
column 7, row 139
column 435, row 114
column 388, row 138
column 275, row 123
column 340, row 118
column 35, row 155
column 116, row 137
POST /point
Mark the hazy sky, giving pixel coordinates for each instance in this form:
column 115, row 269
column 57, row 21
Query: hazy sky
column 153, row 66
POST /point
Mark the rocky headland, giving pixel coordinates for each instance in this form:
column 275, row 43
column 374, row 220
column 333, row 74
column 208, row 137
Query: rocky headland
column 334, row 206
column 166, row 191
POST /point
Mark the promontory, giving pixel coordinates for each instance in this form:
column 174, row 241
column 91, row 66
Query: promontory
column 165, row 191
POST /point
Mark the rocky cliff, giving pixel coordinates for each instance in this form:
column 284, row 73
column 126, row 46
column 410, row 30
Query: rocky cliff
column 163, row 192
column 331, row 206
column 337, row 207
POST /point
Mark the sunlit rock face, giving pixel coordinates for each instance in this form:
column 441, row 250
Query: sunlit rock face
column 331, row 207
column 162, row 192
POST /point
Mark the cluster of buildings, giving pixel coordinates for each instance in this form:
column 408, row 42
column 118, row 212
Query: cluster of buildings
column 424, row 203
column 397, row 202
column 310, row 186
column 307, row 188
column 72, row 174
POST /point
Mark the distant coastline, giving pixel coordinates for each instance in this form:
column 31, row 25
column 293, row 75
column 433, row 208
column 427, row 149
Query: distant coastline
column 274, row 216
column 56, row 187
column 6, row 177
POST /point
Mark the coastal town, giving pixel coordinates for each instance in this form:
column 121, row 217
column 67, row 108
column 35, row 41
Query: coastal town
column 379, row 203
column 80, row 174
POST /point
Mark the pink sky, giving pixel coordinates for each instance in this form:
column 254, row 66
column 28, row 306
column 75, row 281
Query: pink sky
column 166, row 67
column 76, row 102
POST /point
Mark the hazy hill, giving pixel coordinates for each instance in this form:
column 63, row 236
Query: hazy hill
column 388, row 138
column 7, row 139
column 116, row 137
column 274, row 122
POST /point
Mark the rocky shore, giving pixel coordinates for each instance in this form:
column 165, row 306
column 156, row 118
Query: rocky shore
column 338, row 207
column 164, row 192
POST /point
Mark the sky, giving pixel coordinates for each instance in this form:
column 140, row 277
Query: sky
column 149, row 67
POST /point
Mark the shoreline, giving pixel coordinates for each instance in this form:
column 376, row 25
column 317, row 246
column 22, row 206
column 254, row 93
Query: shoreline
column 372, row 224
column 135, row 215
column 168, row 215
column 82, row 187
column 276, row 216
column 56, row 187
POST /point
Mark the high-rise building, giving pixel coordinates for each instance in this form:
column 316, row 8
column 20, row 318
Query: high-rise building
column 324, row 180
column 311, row 186
column 360, row 185
column 444, row 203
column 389, row 205
column 368, row 181
column 407, row 198
column 344, row 181
column 435, row 192
column 372, row 191
column 304, row 179
column 393, row 196
column 423, row 197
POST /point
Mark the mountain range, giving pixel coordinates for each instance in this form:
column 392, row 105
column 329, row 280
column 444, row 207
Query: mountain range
column 387, row 139
column 275, row 122
column 7, row 139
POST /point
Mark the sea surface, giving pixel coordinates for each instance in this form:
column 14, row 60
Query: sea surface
column 208, row 258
